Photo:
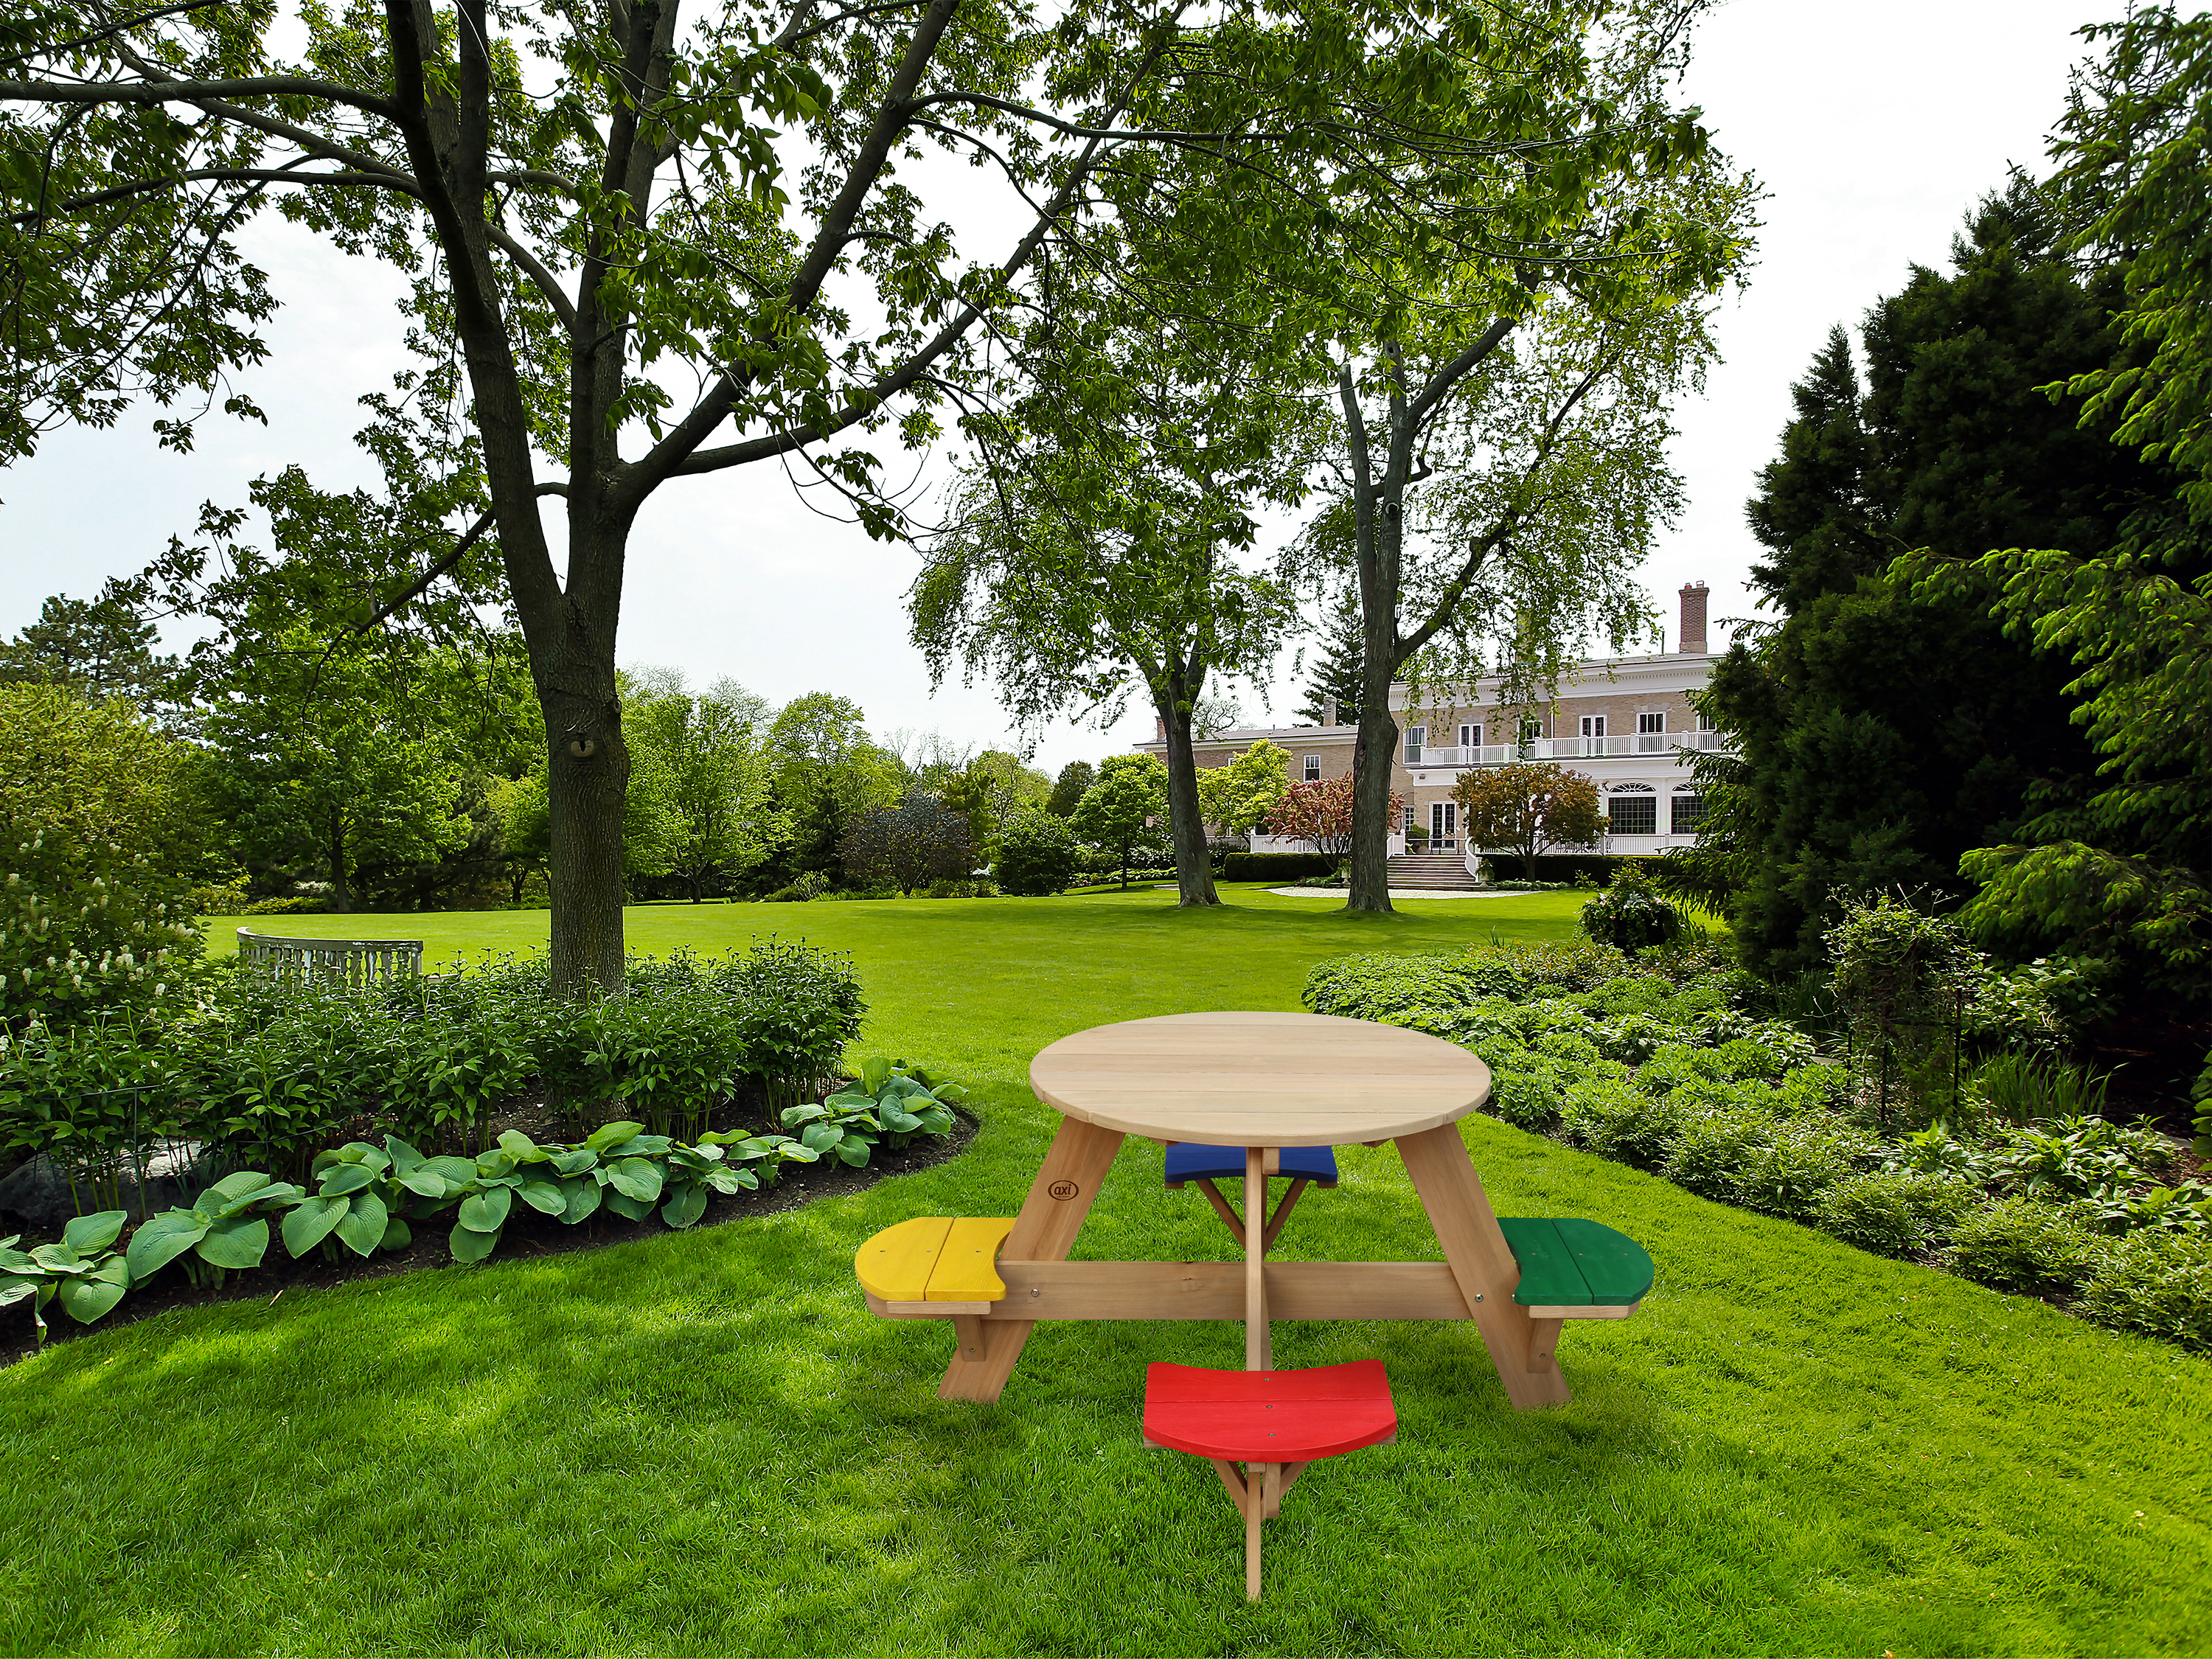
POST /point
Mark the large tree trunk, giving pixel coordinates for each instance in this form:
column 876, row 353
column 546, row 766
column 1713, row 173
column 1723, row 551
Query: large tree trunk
column 341, row 890
column 1372, row 752
column 572, row 661
column 1186, row 826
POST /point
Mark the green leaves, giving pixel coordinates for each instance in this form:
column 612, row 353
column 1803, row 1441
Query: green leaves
column 486, row 1211
column 635, row 1177
column 311, row 1221
column 86, row 1277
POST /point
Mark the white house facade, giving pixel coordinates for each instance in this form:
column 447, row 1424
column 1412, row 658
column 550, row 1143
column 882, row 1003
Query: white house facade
column 1626, row 722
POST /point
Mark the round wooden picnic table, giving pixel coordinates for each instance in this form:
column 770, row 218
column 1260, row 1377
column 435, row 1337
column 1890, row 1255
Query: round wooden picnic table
column 1235, row 1079
column 1258, row 1080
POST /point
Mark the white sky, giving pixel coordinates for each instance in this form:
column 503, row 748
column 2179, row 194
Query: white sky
column 1874, row 127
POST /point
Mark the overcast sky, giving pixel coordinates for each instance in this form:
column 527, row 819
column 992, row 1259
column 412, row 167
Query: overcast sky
column 1874, row 127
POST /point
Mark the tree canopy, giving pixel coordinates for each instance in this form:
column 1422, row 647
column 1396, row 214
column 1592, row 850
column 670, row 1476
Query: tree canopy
column 641, row 242
column 1880, row 732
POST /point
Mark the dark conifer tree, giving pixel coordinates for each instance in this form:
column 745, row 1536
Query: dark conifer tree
column 1880, row 735
column 1075, row 778
column 1337, row 676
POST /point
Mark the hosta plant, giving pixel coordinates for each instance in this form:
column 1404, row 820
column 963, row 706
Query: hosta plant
column 354, row 1203
column 81, row 1271
column 220, row 1230
column 891, row 1101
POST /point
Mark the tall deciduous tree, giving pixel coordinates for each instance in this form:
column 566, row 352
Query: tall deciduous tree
column 1120, row 813
column 713, row 780
column 1241, row 795
column 1499, row 359
column 1095, row 545
column 645, row 240
column 826, row 770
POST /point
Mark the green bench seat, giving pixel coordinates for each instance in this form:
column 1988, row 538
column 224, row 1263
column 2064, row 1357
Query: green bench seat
column 1575, row 1269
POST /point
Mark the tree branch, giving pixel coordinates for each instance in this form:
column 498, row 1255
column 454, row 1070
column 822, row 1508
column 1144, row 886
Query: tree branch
column 1441, row 383
column 192, row 92
column 459, row 551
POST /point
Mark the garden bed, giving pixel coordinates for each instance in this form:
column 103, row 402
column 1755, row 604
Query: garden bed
column 2014, row 1179
column 527, row 1237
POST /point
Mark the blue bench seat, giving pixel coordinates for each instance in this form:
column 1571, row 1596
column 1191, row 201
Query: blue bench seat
column 1192, row 1161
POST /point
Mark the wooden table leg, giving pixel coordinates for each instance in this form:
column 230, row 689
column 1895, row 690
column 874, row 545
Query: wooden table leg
column 1045, row 1231
column 1483, row 1265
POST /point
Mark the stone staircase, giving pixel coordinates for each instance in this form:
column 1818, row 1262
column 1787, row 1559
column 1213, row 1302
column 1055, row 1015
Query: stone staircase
column 1431, row 870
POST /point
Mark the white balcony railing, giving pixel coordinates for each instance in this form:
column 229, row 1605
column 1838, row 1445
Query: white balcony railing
column 1628, row 742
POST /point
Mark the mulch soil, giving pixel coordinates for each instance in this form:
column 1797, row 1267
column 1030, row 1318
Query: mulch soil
column 527, row 1232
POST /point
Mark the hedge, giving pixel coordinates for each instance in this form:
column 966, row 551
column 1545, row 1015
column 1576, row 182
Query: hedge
column 1276, row 866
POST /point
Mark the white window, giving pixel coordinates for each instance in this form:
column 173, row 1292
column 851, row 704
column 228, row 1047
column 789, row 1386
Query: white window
column 1417, row 738
column 1406, row 829
column 1652, row 722
column 1312, row 768
column 1443, row 826
column 1593, row 725
column 1689, row 811
column 1706, row 723
column 1470, row 737
column 1632, row 815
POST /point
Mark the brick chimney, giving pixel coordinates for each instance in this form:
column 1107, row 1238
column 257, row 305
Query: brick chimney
column 1693, row 619
column 1160, row 720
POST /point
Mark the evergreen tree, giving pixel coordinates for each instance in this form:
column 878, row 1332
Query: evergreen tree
column 1074, row 781
column 1337, row 676
column 101, row 646
column 1880, row 731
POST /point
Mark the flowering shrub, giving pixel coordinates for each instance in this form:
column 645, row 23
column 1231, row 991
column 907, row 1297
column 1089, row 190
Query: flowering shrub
column 99, row 835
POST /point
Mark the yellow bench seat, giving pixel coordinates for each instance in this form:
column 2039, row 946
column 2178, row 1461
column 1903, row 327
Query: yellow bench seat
column 934, row 1266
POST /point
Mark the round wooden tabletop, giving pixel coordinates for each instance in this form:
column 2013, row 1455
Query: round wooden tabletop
column 1259, row 1079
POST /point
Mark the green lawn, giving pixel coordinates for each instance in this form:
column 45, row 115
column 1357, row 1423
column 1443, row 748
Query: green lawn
column 703, row 1443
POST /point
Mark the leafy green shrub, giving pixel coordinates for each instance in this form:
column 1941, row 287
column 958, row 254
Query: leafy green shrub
column 950, row 888
column 797, row 1008
column 668, row 1057
column 1518, row 968
column 297, row 904
column 1714, row 1145
column 1894, row 1211
column 2019, row 1244
column 2078, row 1157
column 891, row 1101
column 1612, row 1117
column 1036, row 855
column 1798, row 1163
column 2157, row 1283
column 102, row 830
column 1630, row 917
column 80, row 1271
column 1526, row 1090
column 1376, row 986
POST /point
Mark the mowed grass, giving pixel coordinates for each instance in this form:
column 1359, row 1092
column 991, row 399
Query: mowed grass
column 704, row 1443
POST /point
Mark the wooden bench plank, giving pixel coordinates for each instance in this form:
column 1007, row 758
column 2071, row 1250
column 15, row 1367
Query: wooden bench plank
column 1549, row 1274
column 1617, row 1268
column 897, row 1263
column 964, row 1272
